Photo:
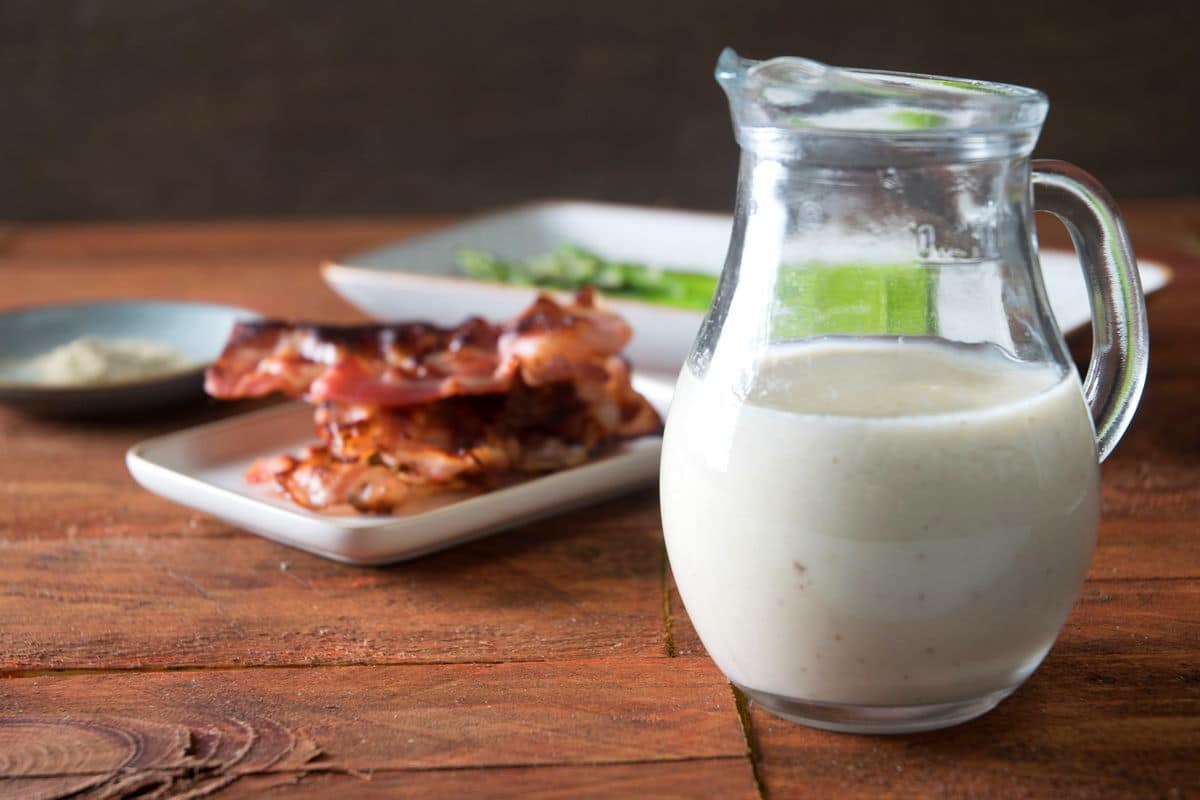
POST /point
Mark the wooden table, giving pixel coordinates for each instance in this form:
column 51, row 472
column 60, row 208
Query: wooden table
column 148, row 649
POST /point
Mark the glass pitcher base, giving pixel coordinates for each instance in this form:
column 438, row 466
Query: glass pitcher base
column 850, row 718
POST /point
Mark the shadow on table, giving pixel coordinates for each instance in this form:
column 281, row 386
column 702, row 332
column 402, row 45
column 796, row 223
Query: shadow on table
column 151, row 422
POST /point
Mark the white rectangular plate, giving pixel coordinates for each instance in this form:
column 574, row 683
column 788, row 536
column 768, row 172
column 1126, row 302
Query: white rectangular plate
column 418, row 278
column 203, row 468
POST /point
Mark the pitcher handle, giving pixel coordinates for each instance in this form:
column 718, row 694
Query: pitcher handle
column 1120, row 340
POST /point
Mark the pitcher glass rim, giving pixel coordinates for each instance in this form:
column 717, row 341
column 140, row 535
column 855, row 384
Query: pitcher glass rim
column 942, row 106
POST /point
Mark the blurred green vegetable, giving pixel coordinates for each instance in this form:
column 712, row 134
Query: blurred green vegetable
column 570, row 267
column 813, row 297
column 818, row 297
column 918, row 120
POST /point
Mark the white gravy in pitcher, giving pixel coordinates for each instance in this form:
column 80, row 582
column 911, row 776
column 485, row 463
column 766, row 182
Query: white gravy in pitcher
column 880, row 523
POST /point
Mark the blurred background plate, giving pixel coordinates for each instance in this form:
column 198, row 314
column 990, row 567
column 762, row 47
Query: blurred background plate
column 418, row 278
column 197, row 330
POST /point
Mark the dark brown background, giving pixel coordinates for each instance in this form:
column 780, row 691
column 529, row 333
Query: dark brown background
column 224, row 108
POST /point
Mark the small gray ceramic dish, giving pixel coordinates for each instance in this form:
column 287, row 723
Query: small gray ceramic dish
column 196, row 330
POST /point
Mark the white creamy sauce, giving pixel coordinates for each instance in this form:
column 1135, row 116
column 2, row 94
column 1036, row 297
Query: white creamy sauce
column 880, row 523
column 92, row 361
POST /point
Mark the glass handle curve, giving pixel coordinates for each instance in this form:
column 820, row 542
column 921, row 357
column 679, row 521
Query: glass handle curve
column 1120, row 339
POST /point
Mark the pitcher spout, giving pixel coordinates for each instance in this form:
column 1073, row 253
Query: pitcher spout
column 789, row 96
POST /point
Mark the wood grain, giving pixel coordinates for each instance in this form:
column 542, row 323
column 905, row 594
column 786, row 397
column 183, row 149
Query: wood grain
column 693, row 778
column 1154, row 474
column 583, row 584
column 1115, row 727
column 286, row 286
column 61, row 478
column 1160, row 224
column 316, row 239
column 173, row 727
column 696, row 778
column 536, row 662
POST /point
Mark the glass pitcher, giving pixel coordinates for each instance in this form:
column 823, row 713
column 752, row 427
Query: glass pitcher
column 880, row 482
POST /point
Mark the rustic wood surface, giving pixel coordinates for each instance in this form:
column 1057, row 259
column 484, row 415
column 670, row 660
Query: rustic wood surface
column 148, row 650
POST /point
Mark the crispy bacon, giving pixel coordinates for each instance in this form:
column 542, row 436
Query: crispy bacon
column 409, row 409
column 412, row 363
column 318, row 481
column 374, row 458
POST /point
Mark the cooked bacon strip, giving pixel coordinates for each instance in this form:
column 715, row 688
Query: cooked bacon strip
column 459, row 442
column 373, row 459
column 318, row 481
column 462, row 436
column 410, row 409
column 413, row 363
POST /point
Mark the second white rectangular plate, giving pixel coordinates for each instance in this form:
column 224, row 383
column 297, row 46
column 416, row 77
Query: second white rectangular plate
column 203, row 468
column 418, row 279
